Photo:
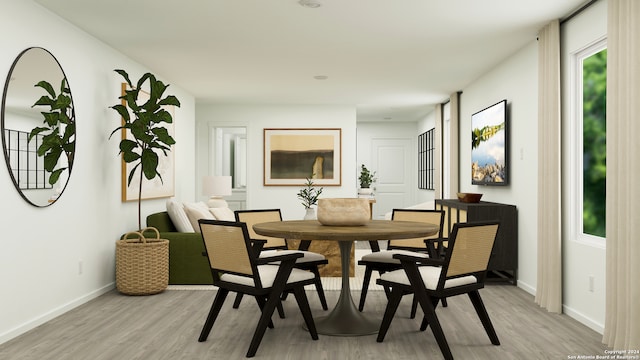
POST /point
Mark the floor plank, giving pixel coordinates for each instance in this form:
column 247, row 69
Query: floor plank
column 167, row 325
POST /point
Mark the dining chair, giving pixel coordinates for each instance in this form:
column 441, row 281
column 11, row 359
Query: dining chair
column 383, row 261
column 310, row 261
column 235, row 267
column 462, row 271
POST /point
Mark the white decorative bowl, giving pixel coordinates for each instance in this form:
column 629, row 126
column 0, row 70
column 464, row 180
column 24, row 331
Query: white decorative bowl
column 344, row 211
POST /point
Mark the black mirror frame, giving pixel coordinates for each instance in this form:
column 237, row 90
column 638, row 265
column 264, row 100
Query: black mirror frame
column 2, row 125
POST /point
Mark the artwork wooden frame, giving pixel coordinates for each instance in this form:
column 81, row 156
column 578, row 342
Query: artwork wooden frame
column 293, row 155
column 151, row 189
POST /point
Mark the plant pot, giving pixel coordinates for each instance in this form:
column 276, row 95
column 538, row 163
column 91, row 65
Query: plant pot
column 142, row 265
column 310, row 214
column 365, row 192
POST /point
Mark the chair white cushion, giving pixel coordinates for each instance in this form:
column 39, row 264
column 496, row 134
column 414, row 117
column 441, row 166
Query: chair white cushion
column 430, row 276
column 267, row 275
column 386, row 256
column 178, row 216
column 429, row 205
column 197, row 211
column 223, row 213
column 307, row 255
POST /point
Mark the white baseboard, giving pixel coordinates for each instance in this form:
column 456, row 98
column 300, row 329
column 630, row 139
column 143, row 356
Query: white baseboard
column 576, row 315
column 526, row 287
column 585, row 320
column 19, row 330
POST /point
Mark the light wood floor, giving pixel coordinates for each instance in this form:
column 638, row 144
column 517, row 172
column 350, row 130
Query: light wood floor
column 167, row 325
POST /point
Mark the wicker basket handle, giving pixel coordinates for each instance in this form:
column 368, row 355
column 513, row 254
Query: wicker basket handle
column 140, row 234
column 151, row 228
column 141, row 237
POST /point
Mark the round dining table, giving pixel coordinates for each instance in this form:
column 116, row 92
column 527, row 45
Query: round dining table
column 345, row 319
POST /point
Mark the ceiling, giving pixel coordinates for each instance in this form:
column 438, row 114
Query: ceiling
column 392, row 59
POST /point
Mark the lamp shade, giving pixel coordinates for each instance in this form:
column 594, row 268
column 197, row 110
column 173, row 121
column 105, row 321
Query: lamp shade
column 216, row 186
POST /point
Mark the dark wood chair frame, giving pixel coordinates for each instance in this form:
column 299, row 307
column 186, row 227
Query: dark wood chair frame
column 307, row 265
column 429, row 299
column 267, row 298
column 382, row 267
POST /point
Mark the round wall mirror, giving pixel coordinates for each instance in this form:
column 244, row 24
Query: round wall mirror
column 38, row 126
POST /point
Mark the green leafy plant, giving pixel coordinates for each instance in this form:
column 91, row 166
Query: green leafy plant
column 148, row 136
column 366, row 177
column 309, row 194
column 59, row 132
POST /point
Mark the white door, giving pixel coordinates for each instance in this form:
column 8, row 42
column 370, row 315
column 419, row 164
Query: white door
column 393, row 161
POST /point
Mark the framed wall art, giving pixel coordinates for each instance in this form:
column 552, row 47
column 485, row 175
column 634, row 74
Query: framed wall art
column 155, row 188
column 293, row 155
column 490, row 146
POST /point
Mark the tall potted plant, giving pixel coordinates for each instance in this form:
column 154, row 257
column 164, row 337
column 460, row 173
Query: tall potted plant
column 142, row 266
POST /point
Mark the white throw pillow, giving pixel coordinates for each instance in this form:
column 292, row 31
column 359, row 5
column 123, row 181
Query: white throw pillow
column 197, row 205
column 197, row 211
column 178, row 216
column 223, row 213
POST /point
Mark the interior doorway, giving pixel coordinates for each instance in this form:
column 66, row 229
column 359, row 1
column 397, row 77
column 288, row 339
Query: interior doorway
column 229, row 158
column 393, row 161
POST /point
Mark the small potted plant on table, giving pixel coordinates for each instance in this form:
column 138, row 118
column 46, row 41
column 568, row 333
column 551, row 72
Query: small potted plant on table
column 366, row 178
column 309, row 196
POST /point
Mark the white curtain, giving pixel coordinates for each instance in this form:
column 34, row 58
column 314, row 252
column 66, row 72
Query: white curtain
column 454, row 146
column 549, row 284
column 622, row 316
column 437, row 154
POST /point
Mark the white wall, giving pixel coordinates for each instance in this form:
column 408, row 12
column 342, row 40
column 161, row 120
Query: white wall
column 42, row 247
column 515, row 79
column 580, row 260
column 258, row 117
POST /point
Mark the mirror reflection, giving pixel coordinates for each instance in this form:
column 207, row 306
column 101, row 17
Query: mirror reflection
column 229, row 158
column 38, row 126
column 231, row 154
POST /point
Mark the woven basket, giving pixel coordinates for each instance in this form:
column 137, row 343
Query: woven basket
column 142, row 265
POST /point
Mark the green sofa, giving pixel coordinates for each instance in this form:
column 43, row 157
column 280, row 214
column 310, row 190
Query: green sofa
column 187, row 263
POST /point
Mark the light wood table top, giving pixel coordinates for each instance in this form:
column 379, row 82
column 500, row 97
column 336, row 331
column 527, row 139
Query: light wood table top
column 373, row 230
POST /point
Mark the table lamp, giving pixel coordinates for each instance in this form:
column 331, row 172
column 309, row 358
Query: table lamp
column 216, row 187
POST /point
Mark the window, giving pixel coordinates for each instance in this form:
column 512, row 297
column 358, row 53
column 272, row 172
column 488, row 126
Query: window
column 426, row 166
column 590, row 143
column 26, row 166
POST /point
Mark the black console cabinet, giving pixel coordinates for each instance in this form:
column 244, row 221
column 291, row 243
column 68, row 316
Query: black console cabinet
column 503, row 264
